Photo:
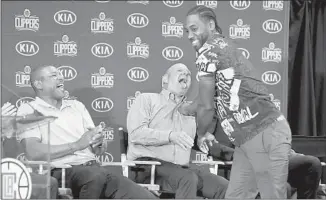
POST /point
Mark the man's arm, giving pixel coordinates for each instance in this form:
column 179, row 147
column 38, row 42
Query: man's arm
column 205, row 108
column 212, row 127
column 31, row 140
column 138, row 119
column 35, row 150
column 189, row 108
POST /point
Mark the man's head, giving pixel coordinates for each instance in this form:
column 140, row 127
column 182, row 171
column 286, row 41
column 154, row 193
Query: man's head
column 177, row 79
column 48, row 81
column 200, row 25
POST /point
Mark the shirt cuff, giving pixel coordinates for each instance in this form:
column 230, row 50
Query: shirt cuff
column 165, row 136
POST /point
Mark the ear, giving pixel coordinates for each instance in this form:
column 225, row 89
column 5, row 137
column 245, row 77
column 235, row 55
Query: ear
column 164, row 79
column 38, row 85
column 211, row 25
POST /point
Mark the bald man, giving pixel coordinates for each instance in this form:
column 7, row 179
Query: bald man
column 74, row 141
column 158, row 132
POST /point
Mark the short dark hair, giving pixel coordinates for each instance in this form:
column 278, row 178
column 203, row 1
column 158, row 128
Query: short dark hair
column 35, row 75
column 205, row 13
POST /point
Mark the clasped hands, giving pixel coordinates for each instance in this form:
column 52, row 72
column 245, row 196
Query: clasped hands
column 93, row 139
column 205, row 141
column 182, row 139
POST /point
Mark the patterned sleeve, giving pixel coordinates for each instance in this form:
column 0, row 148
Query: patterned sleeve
column 212, row 58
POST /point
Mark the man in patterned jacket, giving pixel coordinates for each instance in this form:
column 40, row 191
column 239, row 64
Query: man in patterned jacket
column 229, row 87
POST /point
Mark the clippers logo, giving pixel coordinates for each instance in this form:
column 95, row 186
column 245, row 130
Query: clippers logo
column 245, row 52
column 201, row 157
column 273, row 5
column 69, row 73
column 138, row 20
column 102, row 50
column 65, row 47
column 209, row 4
column 27, row 48
column 271, row 54
column 172, row 53
column 102, row 24
column 173, row 4
column 23, row 78
column 276, row 102
column 65, row 17
column 271, row 77
column 139, row 1
column 27, row 22
column 102, row 79
column 138, row 74
column 172, row 28
column 132, row 99
column 239, row 30
column 102, row 104
column 16, row 180
column 272, row 26
column 23, row 100
column 137, row 49
column 240, row 4
column 108, row 132
column 105, row 157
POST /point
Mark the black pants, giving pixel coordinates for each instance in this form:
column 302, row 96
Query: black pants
column 185, row 182
column 39, row 187
column 304, row 175
column 94, row 182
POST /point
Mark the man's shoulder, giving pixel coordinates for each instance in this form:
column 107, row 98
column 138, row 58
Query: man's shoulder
column 148, row 95
column 219, row 44
column 74, row 102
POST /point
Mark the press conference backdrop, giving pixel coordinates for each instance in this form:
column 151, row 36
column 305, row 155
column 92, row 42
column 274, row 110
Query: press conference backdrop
column 111, row 51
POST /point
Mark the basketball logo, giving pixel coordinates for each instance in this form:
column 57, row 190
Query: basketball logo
column 15, row 180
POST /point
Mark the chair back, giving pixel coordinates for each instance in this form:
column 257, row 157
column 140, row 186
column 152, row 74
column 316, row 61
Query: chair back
column 123, row 140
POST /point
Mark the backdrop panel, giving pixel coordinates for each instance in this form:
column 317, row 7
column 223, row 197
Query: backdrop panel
column 110, row 51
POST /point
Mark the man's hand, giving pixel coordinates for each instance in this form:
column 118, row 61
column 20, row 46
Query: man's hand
column 205, row 141
column 8, row 110
column 91, row 137
column 182, row 139
column 99, row 147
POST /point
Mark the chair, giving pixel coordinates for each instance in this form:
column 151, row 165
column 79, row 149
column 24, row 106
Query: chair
column 152, row 186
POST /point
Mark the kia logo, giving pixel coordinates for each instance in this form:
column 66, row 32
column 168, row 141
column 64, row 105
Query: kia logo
column 138, row 74
column 104, row 158
column 240, row 4
column 102, row 50
column 65, row 17
column 138, row 20
column 245, row 52
column 271, row 77
column 23, row 100
column 68, row 73
column 27, row 48
column 173, row 4
column 102, row 104
column 172, row 53
column 272, row 26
